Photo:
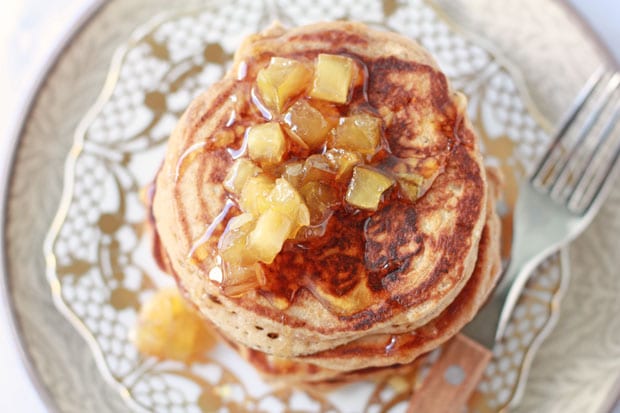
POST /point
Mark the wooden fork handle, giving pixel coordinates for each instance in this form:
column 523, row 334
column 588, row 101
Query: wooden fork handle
column 451, row 379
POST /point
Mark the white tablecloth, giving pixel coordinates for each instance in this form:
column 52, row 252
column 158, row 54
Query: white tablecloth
column 30, row 32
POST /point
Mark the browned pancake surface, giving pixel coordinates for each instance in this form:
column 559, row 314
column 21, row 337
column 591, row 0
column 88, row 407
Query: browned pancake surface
column 366, row 356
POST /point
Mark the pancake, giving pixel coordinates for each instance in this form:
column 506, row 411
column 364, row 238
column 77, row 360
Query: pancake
column 386, row 272
column 367, row 355
column 287, row 372
column 386, row 349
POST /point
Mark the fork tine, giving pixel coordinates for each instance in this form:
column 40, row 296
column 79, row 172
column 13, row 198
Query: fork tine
column 584, row 186
column 557, row 186
column 584, row 96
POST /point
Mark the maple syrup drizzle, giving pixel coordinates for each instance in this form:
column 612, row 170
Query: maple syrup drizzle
column 233, row 113
column 206, row 236
column 242, row 70
column 241, row 151
column 391, row 344
column 259, row 105
column 187, row 158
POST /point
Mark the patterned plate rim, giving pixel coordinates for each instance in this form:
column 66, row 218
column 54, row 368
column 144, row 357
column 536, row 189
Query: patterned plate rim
column 110, row 82
column 9, row 163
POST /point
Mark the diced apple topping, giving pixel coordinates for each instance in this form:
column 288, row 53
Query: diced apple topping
column 161, row 319
column 318, row 168
column 254, row 196
column 239, row 279
column 366, row 188
column 266, row 143
column 276, row 211
column 415, row 175
column 329, row 110
column 332, row 78
column 281, row 81
column 234, row 240
column 321, row 198
column 358, row 133
column 410, row 188
column 285, row 199
column 293, row 172
column 342, row 161
column 268, row 236
column 332, row 161
column 307, row 123
column 241, row 170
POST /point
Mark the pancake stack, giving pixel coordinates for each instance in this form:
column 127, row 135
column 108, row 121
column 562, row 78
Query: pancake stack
column 325, row 205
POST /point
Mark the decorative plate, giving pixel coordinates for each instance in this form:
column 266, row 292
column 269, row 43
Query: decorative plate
column 98, row 256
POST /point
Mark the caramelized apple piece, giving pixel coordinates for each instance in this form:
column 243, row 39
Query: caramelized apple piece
column 329, row 110
column 320, row 198
column 254, row 196
column 355, row 300
column 266, row 143
column 332, row 78
column 282, row 80
column 410, row 185
column 239, row 173
column 318, row 168
column 358, row 133
column 313, row 231
column 342, row 161
column 415, row 176
column 285, row 199
column 293, row 172
column 366, row 188
column 239, row 279
column 233, row 242
column 267, row 238
column 161, row 319
column 307, row 124
column 410, row 189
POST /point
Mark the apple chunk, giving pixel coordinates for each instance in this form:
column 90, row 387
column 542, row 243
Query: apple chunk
column 332, row 78
column 161, row 319
column 254, row 196
column 342, row 162
column 293, row 172
column 410, row 185
column 318, row 168
column 282, row 80
column 266, row 143
column 320, row 198
column 285, row 199
column 307, row 124
column 233, row 242
column 268, row 236
column 238, row 279
column 366, row 188
column 239, row 173
column 358, row 133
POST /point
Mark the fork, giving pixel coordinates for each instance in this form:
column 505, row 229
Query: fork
column 563, row 194
column 554, row 206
